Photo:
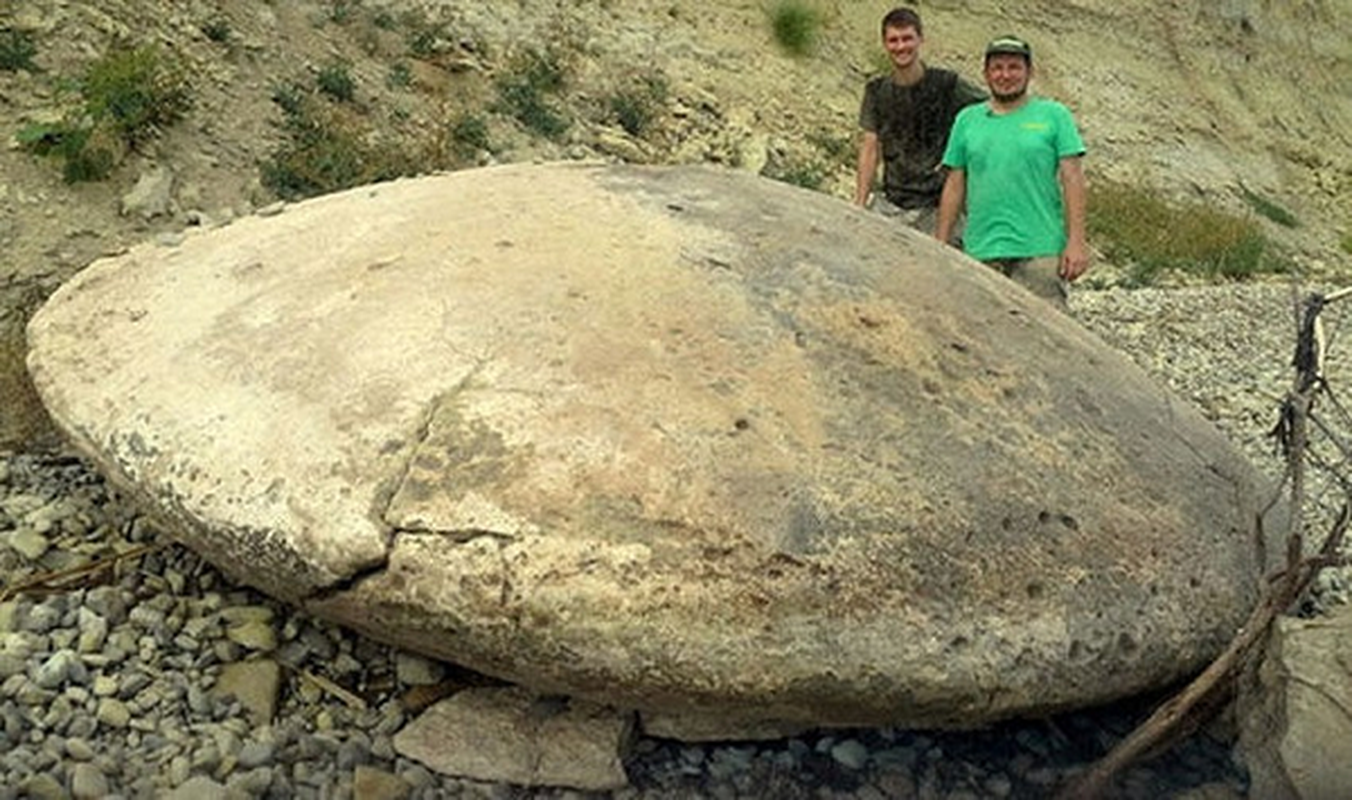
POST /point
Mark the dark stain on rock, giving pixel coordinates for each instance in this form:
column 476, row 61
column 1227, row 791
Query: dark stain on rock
column 458, row 455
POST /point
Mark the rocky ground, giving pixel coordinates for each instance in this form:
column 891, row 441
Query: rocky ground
column 123, row 664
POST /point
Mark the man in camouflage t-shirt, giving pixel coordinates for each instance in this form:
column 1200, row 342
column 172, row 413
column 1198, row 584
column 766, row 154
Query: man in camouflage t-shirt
column 905, row 118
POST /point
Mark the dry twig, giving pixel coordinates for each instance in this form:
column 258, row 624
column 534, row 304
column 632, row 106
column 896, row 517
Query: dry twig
column 352, row 699
column 57, row 581
column 1209, row 691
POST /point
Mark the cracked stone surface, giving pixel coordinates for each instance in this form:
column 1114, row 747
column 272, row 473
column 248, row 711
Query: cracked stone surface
column 682, row 440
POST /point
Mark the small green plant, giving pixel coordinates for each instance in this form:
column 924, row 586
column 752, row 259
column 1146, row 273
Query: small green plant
column 86, row 152
column 127, row 96
column 1269, row 209
column 807, row 173
column 17, row 50
column 469, row 132
column 326, row 148
column 290, row 98
column 329, row 145
column 423, row 37
column 400, row 76
column 341, row 12
column 138, row 90
column 1152, row 235
column 217, row 30
column 1346, row 242
column 384, row 19
column 335, row 80
column 523, row 93
column 635, row 106
column 837, row 149
column 796, row 25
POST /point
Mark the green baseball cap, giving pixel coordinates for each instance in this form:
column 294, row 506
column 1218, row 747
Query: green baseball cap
column 1010, row 45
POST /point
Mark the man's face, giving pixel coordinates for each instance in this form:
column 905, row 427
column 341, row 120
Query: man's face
column 903, row 45
column 1007, row 76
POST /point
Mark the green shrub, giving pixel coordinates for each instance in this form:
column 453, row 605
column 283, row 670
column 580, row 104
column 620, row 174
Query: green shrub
column 85, row 151
column 328, row 147
column 137, row 90
column 341, row 12
column 1269, row 209
column 470, row 134
column 837, row 149
column 217, row 30
column 796, row 25
column 523, row 93
column 423, row 37
column 807, row 173
column 1152, row 235
column 17, row 49
column 1346, row 242
column 127, row 96
column 290, row 98
column 335, row 80
column 400, row 76
column 635, row 106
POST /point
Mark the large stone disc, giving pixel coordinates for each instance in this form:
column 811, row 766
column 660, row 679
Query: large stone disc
column 678, row 439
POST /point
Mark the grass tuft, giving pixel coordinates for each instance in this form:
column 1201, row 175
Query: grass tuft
column 470, row 134
column 524, row 93
column 17, row 49
column 635, row 106
column 1152, row 235
column 217, row 30
column 138, row 90
column 1269, row 209
column 329, row 145
column 341, row 12
column 400, row 75
column 807, row 173
column 127, row 97
column 336, row 81
column 796, row 26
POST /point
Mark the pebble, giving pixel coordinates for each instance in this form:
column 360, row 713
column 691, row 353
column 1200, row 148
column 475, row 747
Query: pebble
column 111, row 688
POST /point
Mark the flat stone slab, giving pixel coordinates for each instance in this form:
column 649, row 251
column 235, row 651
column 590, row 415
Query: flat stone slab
column 677, row 439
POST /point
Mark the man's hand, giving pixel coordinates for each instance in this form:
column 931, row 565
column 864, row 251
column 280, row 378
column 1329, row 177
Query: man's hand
column 1074, row 260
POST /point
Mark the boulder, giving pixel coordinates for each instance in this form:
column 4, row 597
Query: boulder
column 1296, row 711
column 678, row 439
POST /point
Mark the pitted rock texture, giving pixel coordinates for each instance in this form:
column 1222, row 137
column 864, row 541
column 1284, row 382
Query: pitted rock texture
column 677, row 439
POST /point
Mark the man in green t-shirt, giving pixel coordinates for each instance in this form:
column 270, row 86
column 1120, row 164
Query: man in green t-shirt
column 904, row 120
column 1015, row 164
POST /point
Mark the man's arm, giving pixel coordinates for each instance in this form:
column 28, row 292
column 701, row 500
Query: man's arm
column 1075, row 259
column 966, row 94
column 950, row 203
column 867, row 167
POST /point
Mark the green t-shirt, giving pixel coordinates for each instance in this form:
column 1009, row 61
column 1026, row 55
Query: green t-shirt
column 912, row 124
column 1014, row 207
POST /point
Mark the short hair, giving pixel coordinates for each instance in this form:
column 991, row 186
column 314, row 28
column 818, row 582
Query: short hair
column 902, row 17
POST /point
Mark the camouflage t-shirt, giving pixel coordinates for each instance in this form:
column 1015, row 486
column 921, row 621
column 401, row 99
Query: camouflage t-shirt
column 912, row 123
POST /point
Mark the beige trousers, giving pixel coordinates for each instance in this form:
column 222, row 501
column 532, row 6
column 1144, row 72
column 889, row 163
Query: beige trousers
column 1041, row 276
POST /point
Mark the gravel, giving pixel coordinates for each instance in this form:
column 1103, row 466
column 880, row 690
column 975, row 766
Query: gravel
column 109, row 686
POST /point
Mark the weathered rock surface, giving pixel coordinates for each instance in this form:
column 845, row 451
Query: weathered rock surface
column 1296, row 719
column 511, row 735
column 676, row 439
